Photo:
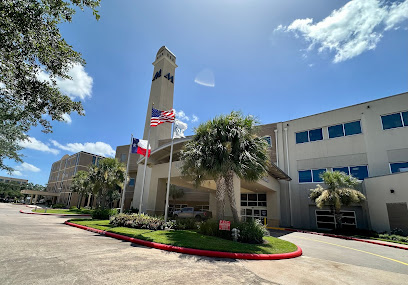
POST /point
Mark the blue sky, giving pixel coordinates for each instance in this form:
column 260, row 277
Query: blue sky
column 277, row 60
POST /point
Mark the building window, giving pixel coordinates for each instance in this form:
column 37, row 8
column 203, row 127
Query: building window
column 123, row 157
column 302, row 137
column 305, row 176
column 131, row 182
column 325, row 219
column 360, row 172
column 336, row 131
column 309, row 176
column 253, row 200
column 396, row 120
column 268, row 140
column 346, row 129
column 93, row 160
column 399, row 167
column 309, row 136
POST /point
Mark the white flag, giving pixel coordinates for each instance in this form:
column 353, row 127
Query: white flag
column 179, row 128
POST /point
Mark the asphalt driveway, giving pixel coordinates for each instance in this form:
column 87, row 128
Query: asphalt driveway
column 38, row 249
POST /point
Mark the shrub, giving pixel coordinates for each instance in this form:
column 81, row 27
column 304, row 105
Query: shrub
column 250, row 231
column 138, row 221
column 103, row 214
column 397, row 231
column 58, row 206
column 394, row 237
column 186, row 224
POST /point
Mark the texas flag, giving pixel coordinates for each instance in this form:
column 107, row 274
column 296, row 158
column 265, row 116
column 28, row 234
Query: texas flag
column 140, row 147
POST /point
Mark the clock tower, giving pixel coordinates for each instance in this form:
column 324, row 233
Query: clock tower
column 161, row 94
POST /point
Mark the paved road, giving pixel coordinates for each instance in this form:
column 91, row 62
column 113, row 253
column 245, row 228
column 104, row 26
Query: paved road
column 38, row 249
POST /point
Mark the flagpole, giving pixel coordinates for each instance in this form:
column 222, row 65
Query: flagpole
column 122, row 203
column 166, row 210
column 146, row 156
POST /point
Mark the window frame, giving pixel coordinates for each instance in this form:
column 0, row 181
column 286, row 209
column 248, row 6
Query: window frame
column 401, row 117
column 344, row 129
column 311, row 173
column 308, row 135
column 349, row 170
column 270, row 140
column 389, row 164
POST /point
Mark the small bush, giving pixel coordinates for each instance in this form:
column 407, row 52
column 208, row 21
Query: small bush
column 138, row 221
column 103, row 214
column 397, row 231
column 185, row 224
column 58, row 206
column 394, row 237
column 132, row 211
column 249, row 231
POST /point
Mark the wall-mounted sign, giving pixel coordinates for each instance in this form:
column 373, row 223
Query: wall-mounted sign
column 264, row 213
column 157, row 75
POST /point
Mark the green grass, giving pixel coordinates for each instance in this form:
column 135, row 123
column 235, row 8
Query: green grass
column 192, row 239
column 64, row 211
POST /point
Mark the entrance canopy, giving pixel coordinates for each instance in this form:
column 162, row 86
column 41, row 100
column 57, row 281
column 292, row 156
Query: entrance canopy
column 42, row 193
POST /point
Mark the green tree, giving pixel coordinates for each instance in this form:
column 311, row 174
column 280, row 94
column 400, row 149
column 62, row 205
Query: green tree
column 340, row 192
column 107, row 178
column 222, row 147
column 175, row 193
column 82, row 185
column 30, row 42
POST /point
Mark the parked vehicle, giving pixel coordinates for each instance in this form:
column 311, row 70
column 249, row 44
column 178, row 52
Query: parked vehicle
column 188, row 212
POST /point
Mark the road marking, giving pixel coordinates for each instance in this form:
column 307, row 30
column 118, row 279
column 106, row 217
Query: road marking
column 355, row 249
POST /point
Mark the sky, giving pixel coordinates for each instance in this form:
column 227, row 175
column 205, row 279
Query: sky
column 276, row 60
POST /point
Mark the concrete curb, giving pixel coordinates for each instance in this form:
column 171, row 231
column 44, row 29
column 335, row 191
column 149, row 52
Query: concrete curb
column 52, row 214
column 339, row 236
column 200, row 252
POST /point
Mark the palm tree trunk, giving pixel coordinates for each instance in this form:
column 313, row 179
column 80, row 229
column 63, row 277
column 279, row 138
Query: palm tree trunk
column 229, row 183
column 338, row 216
column 220, row 197
column 80, row 201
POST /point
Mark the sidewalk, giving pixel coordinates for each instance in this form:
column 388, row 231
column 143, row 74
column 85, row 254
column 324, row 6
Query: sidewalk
column 373, row 241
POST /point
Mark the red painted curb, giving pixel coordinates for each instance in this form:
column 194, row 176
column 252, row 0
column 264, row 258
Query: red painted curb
column 201, row 252
column 346, row 237
column 51, row 214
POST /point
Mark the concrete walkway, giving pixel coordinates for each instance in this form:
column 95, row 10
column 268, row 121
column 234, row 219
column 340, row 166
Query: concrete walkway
column 41, row 250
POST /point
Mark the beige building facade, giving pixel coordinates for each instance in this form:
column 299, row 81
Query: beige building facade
column 368, row 140
column 62, row 172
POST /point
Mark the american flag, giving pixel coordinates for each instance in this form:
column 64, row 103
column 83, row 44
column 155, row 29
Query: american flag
column 160, row 117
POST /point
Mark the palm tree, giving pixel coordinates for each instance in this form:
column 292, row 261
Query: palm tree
column 81, row 184
column 222, row 147
column 340, row 192
column 106, row 178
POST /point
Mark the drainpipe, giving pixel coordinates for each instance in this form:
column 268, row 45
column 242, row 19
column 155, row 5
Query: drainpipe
column 288, row 171
column 276, row 147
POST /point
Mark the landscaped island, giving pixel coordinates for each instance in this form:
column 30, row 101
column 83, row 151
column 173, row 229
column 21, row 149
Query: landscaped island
column 193, row 239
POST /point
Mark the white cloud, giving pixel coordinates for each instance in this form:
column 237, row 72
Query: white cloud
column 67, row 118
column 27, row 167
column 33, row 143
column 194, row 119
column 181, row 115
column 16, row 173
column 205, row 78
column 79, row 87
column 351, row 30
column 179, row 129
column 99, row 148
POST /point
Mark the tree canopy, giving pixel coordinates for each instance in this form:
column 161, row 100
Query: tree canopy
column 340, row 191
column 30, row 43
column 224, row 147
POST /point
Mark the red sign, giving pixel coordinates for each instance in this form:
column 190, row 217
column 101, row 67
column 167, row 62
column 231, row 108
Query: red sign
column 225, row 225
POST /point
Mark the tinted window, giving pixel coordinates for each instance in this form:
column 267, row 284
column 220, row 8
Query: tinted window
column 132, row 182
column 252, row 197
column 268, row 141
column 336, row 131
column 305, row 176
column 352, row 128
column 405, row 117
column 316, row 135
column 396, row 167
column 391, row 121
column 359, row 172
column 317, row 173
column 261, row 197
column 341, row 169
column 302, row 137
column 244, row 197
